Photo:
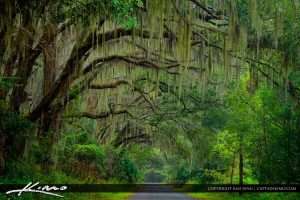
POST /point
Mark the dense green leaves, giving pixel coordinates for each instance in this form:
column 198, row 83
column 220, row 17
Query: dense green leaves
column 269, row 128
column 89, row 152
column 95, row 11
column 124, row 11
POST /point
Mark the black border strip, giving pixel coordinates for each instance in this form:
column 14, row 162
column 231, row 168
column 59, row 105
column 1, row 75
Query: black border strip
column 157, row 188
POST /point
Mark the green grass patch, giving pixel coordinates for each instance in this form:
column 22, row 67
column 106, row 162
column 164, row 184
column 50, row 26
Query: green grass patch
column 207, row 196
column 71, row 196
column 248, row 196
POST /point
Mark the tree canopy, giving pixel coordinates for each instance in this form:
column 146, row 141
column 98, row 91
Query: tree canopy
column 205, row 91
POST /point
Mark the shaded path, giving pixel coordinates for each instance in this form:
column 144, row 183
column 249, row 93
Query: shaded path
column 160, row 196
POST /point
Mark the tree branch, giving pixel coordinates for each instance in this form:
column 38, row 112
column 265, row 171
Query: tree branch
column 102, row 115
column 79, row 53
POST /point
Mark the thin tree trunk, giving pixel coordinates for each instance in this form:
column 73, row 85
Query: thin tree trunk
column 7, row 72
column 241, row 168
column 232, row 169
column 289, row 165
column 241, row 163
column 2, row 154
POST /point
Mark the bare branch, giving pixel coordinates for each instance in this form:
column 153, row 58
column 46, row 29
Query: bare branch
column 100, row 115
column 111, row 85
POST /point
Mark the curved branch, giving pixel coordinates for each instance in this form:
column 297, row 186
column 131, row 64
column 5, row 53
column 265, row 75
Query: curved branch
column 116, row 83
column 78, row 54
column 143, row 136
column 111, row 85
column 210, row 12
column 100, row 115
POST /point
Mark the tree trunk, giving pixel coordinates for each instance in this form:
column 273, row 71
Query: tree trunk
column 7, row 72
column 49, row 118
column 241, row 162
column 289, row 167
column 232, row 169
column 2, row 154
column 241, row 168
column 23, row 73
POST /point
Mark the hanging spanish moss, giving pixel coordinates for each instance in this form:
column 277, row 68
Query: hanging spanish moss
column 102, row 82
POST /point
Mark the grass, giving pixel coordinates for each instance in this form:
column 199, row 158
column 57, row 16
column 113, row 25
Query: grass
column 248, row 196
column 116, row 196
column 207, row 196
column 72, row 196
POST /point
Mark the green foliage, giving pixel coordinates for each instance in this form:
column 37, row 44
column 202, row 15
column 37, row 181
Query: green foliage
column 7, row 83
column 89, row 152
column 214, row 118
column 15, row 130
column 125, row 169
column 123, row 11
column 226, row 144
column 84, row 11
column 13, row 124
column 265, row 127
column 295, row 78
column 20, row 172
column 93, row 11
column 80, row 155
column 182, row 174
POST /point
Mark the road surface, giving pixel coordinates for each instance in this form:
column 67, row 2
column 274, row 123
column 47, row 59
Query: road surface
column 159, row 193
